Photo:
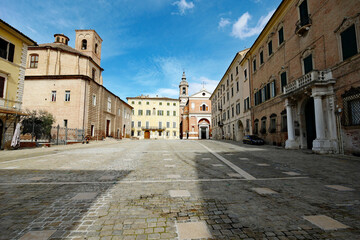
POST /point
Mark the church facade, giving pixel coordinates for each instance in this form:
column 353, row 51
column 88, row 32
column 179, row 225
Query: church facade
column 67, row 82
column 195, row 118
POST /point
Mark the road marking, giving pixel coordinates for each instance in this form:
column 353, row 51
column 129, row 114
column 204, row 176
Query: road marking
column 150, row 181
column 167, row 159
column 234, row 175
column 263, row 164
column 218, row 165
column 10, row 167
column 230, row 164
column 292, row 173
column 170, row 166
column 173, row 176
column 206, row 158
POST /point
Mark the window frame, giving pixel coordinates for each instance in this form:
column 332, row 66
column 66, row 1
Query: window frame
column 34, row 63
column 67, row 95
column 53, row 96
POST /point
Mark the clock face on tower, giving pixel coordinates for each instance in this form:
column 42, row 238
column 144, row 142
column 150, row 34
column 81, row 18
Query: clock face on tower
column 184, row 100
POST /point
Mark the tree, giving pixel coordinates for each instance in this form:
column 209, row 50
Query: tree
column 38, row 124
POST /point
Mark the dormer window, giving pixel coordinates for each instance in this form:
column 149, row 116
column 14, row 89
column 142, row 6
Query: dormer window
column 84, row 44
column 96, row 47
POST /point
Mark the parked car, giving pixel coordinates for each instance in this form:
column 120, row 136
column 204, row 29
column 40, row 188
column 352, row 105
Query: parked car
column 253, row 139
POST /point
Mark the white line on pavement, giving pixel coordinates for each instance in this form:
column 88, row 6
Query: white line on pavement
column 151, row 181
column 230, row 164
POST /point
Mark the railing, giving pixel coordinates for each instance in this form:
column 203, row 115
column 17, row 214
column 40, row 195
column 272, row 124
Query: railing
column 10, row 104
column 303, row 25
column 153, row 128
column 307, row 79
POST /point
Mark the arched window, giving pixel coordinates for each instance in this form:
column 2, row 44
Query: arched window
column 34, row 59
column 84, row 44
column 184, row 90
column 109, row 105
column 96, row 47
column 57, row 39
column 203, row 107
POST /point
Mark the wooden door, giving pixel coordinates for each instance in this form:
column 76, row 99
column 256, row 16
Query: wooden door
column 107, row 127
column 147, row 135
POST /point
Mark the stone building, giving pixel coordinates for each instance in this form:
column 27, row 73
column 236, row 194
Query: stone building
column 68, row 83
column 195, row 118
column 305, row 76
column 231, row 115
column 154, row 117
column 13, row 49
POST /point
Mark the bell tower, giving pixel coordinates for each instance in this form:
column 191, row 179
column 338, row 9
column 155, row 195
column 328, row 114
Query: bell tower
column 183, row 91
column 89, row 43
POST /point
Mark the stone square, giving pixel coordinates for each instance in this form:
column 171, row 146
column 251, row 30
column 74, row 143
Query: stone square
column 263, row 191
column 193, row 230
column 325, row 222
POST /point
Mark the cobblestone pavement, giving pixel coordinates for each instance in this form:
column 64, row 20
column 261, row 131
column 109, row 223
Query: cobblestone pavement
column 177, row 190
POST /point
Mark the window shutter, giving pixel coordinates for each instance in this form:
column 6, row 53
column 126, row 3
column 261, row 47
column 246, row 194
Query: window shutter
column 348, row 42
column 308, row 65
column 281, row 36
column 283, row 81
column 304, row 14
column 2, row 85
column 11, row 52
column 267, row 90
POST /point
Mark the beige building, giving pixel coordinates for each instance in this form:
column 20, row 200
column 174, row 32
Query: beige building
column 67, row 82
column 154, row 117
column 230, row 102
column 13, row 50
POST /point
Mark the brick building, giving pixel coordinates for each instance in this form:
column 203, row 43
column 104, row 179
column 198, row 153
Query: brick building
column 195, row 119
column 305, row 76
column 68, row 83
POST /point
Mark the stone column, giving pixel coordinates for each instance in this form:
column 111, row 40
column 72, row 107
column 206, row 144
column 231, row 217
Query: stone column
column 290, row 142
column 319, row 117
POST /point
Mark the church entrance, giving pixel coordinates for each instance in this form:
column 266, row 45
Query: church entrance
column 310, row 123
column 147, row 135
column 203, row 133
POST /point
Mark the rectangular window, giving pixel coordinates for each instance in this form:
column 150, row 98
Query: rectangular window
column 140, row 112
column 354, row 111
column 245, row 74
column 348, row 42
column 53, row 96
column 308, row 64
column 148, row 112
column 254, row 65
column 261, row 57
column 160, row 113
column 283, row 78
column 237, row 86
column 281, row 35
column 168, row 113
column 263, row 95
column 7, row 50
column 232, row 112
column 304, row 14
column 160, row 125
column 139, row 133
column 227, row 96
column 92, row 131
column 132, row 124
column 270, row 48
column 147, row 124
column 94, row 100
column 273, row 89
column 2, row 87
column 174, row 124
column 232, row 91
column 237, row 70
column 231, row 77
column 174, row 113
column 174, row 133
column 139, row 123
column 34, row 60
column 65, row 122
column 168, row 124
column 93, row 73
column 167, row 133
column 67, row 96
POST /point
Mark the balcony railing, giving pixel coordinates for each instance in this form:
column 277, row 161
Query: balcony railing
column 10, row 104
column 314, row 77
column 150, row 128
column 303, row 25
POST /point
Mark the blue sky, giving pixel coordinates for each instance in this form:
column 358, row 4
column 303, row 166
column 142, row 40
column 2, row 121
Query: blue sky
column 148, row 43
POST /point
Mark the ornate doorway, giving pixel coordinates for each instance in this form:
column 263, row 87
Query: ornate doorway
column 310, row 123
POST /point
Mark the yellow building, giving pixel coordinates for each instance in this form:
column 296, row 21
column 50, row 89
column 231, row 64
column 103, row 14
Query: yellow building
column 13, row 50
column 154, row 117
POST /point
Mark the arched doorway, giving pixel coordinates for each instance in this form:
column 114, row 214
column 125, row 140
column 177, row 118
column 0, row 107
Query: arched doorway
column 204, row 128
column 240, row 131
column 310, row 122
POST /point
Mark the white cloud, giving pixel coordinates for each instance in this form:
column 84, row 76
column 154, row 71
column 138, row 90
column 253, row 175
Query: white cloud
column 183, row 6
column 224, row 22
column 242, row 30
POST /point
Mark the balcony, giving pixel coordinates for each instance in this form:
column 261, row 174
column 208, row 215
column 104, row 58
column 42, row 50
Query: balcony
column 10, row 104
column 220, row 123
column 312, row 78
column 153, row 128
column 303, row 25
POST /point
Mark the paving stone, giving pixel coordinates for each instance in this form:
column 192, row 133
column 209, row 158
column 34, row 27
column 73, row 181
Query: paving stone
column 325, row 222
column 340, row 188
column 85, row 196
column 38, row 235
column 263, row 191
column 193, row 230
